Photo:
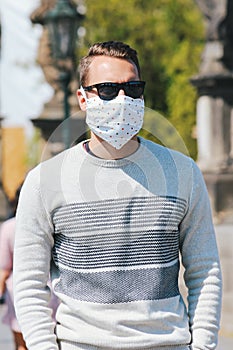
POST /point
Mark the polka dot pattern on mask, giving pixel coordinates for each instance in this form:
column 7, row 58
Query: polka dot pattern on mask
column 115, row 121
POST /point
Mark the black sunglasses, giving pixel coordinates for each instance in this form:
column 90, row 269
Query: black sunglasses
column 109, row 91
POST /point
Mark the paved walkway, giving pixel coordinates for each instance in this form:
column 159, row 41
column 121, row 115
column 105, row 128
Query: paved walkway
column 224, row 234
column 5, row 334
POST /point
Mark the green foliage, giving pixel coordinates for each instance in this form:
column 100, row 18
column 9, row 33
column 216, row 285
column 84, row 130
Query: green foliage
column 168, row 37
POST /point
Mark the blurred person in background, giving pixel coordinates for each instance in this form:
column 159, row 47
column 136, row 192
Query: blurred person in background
column 7, row 237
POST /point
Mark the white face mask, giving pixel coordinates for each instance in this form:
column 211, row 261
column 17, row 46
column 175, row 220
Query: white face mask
column 115, row 121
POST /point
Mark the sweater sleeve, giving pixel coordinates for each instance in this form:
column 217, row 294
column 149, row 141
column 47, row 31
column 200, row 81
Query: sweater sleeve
column 32, row 256
column 202, row 267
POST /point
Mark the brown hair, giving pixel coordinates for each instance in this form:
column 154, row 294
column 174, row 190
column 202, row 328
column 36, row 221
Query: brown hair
column 109, row 48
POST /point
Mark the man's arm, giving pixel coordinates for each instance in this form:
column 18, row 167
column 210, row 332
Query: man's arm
column 32, row 255
column 202, row 267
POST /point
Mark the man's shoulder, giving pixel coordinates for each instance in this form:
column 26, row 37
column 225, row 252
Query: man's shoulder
column 165, row 154
column 48, row 172
column 57, row 160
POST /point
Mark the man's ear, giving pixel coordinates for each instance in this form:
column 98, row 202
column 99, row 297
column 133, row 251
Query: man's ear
column 81, row 100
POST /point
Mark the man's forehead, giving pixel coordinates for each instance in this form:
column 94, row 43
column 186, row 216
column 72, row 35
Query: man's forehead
column 110, row 68
column 104, row 59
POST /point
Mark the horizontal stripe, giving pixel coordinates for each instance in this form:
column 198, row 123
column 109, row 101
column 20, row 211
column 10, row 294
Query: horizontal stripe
column 108, row 227
column 113, row 262
column 135, row 213
column 122, row 201
column 119, row 268
column 123, row 249
column 121, row 237
column 146, row 232
column 119, row 205
column 100, row 212
column 120, row 286
column 127, row 218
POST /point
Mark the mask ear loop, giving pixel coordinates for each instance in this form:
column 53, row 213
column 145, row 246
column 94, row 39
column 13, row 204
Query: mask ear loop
column 83, row 92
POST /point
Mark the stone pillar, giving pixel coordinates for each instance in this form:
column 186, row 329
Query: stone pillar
column 214, row 123
column 214, row 84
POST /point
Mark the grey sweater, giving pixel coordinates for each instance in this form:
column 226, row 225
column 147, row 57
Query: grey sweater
column 110, row 233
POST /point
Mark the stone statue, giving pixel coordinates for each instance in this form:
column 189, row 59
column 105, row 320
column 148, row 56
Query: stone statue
column 44, row 57
column 218, row 55
column 215, row 12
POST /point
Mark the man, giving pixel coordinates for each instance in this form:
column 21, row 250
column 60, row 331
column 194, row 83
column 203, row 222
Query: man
column 108, row 219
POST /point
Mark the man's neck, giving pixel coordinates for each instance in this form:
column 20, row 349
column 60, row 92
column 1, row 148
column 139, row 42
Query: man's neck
column 104, row 150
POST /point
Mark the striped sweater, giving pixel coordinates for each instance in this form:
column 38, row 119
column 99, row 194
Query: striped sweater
column 112, row 233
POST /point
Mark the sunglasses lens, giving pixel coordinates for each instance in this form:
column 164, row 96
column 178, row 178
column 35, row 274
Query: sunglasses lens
column 134, row 90
column 107, row 92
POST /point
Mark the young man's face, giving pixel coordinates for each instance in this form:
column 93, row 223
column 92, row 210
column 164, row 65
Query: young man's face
column 108, row 69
